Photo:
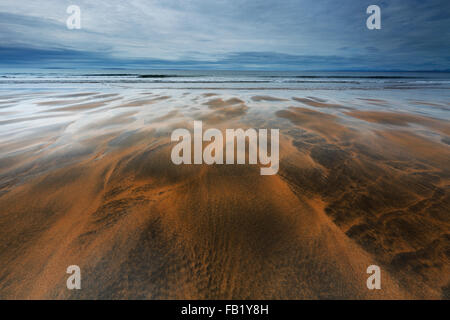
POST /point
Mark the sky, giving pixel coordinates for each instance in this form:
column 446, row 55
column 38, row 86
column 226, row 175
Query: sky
column 226, row 34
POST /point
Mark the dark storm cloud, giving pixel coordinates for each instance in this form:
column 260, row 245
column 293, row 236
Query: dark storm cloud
column 266, row 34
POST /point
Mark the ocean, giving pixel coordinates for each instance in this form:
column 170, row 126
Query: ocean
column 252, row 80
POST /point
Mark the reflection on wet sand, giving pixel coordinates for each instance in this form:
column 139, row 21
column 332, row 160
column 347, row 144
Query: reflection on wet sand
column 94, row 186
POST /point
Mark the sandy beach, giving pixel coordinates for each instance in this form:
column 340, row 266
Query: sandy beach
column 86, row 179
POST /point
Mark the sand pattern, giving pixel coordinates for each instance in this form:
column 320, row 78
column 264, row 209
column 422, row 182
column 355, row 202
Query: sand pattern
column 86, row 179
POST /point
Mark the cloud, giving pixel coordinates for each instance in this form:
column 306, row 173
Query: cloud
column 226, row 34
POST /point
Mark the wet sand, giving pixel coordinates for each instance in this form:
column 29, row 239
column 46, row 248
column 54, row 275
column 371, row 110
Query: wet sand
column 86, row 179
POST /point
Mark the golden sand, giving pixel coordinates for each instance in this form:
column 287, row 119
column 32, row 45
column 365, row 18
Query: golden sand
column 99, row 190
